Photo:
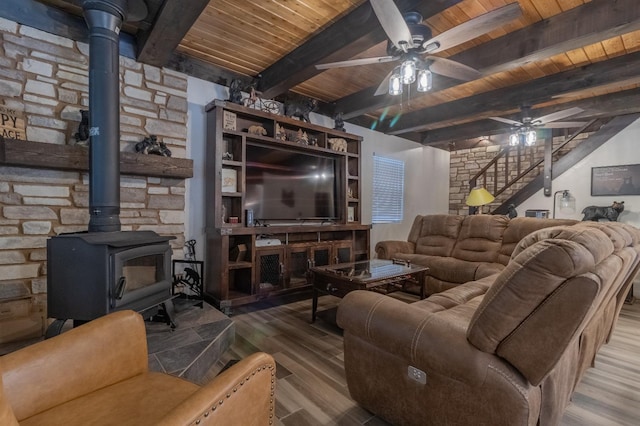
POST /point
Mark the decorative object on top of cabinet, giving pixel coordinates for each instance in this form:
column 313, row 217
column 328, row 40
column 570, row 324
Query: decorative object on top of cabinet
column 339, row 122
column 610, row 213
column 300, row 108
column 235, row 91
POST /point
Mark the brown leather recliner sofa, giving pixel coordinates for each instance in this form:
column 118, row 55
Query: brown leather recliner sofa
column 507, row 349
column 458, row 249
column 97, row 374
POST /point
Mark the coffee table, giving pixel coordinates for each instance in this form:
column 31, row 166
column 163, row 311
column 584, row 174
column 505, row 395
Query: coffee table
column 384, row 276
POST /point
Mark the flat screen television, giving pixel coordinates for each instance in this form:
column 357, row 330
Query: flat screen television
column 285, row 185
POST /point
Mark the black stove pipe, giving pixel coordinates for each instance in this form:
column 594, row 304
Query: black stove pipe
column 104, row 19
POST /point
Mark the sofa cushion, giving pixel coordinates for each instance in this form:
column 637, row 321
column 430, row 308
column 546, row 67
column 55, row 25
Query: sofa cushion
column 480, row 238
column 7, row 418
column 520, row 227
column 438, row 234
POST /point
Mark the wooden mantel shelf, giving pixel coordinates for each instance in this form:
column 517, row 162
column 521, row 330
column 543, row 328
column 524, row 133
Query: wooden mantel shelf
column 40, row 155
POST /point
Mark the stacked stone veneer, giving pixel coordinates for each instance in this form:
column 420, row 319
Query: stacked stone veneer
column 46, row 77
column 466, row 163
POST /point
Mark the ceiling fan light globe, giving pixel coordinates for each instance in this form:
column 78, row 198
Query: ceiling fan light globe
column 425, row 80
column 408, row 72
column 514, row 139
column 395, row 85
column 530, row 138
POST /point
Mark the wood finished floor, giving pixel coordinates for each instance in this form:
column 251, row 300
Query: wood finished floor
column 311, row 388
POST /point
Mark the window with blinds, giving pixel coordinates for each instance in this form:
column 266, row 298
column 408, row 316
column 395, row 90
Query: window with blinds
column 388, row 190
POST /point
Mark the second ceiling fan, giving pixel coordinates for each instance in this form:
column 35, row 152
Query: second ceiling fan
column 411, row 43
column 524, row 132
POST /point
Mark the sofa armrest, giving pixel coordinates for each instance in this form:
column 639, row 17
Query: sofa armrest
column 95, row 355
column 241, row 395
column 434, row 342
column 389, row 249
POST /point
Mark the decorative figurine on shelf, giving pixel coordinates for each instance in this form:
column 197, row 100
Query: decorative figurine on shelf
column 313, row 141
column 235, row 91
column 227, row 156
column 511, row 211
column 610, row 213
column 257, row 130
column 280, row 133
column 339, row 122
column 338, row 144
column 150, row 145
column 302, row 137
column 82, row 135
column 300, row 108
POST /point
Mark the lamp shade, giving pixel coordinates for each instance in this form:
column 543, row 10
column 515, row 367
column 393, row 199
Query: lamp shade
column 479, row 197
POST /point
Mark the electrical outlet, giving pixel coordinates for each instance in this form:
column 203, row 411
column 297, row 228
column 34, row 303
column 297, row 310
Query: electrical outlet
column 417, row 375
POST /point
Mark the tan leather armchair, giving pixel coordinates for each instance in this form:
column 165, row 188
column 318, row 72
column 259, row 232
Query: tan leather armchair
column 97, row 374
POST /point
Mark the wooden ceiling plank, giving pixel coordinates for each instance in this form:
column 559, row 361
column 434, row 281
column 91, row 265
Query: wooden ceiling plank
column 531, row 92
column 173, row 21
column 576, row 28
column 354, row 33
column 608, row 105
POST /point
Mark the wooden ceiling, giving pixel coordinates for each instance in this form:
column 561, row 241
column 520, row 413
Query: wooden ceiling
column 558, row 54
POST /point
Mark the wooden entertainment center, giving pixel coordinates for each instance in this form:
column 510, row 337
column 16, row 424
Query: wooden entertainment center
column 247, row 262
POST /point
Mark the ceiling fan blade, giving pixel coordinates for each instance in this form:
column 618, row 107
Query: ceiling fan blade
column 563, row 124
column 384, row 85
column 559, row 115
column 453, row 69
column 354, row 62
column 473, row 28
column 507, row 121
column 393, row 23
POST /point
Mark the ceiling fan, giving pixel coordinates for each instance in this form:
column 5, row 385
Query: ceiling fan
column 525, row 131
column 411, row 43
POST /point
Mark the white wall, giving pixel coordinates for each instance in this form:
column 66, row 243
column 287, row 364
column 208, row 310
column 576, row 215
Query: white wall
column 621, row 149
column 426, row 170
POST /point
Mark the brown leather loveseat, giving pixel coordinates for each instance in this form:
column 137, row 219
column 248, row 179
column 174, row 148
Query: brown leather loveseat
column 97, row 374
column 458, row 249
column 507, row 349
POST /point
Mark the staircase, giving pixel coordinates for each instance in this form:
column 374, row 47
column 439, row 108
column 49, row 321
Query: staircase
column 517, row 173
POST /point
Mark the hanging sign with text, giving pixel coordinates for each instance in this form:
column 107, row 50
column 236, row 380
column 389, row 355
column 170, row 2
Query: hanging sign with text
column 12, row 123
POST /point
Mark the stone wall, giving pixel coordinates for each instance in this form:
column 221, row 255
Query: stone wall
column 46, row 78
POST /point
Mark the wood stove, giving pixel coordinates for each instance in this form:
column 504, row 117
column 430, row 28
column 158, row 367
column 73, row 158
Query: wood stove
column 94, row 273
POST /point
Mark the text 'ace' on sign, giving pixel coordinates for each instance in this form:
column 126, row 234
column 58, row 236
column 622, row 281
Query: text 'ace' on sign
column 12, row 124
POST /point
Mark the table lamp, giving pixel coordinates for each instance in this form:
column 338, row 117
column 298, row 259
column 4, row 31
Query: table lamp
column 478, row 197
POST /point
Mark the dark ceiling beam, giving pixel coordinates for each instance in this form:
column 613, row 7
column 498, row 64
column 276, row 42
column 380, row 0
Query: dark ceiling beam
column 529, row 93
column 611, row 104
column 577, row 27
column 55, row 21
column 352, row 34
column 172, row 22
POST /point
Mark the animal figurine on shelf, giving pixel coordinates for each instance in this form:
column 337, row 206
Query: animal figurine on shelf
column 151, row 145
column 235, row 91
column 339, row 122
column 300, row 108
column 257, row 130
column 610, row 213
column 338, row 144
column 82, row 135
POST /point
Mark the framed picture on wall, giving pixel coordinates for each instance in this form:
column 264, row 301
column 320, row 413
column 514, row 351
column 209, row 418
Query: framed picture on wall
column 615, row 180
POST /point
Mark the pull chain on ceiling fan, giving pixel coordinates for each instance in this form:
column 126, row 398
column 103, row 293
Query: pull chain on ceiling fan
column 412, row 43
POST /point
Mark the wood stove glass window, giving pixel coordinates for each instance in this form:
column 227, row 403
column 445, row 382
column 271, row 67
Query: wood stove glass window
column 142, row 271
